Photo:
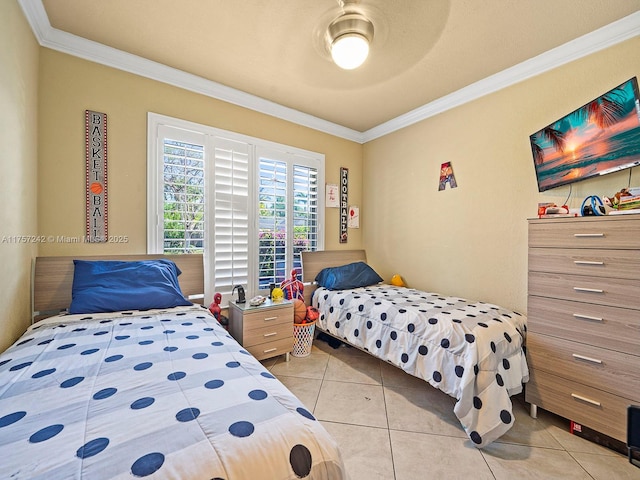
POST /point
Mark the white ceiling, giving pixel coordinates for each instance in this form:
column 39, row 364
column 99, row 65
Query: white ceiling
column 270, row 55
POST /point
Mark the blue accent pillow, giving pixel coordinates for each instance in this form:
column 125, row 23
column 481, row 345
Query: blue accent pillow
column 353, row 275
column 112, row 285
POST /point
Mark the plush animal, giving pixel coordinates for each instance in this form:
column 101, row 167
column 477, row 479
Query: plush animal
column 277, row 295
column 292, row 287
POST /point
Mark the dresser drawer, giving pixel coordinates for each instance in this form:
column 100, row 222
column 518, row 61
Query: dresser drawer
column 601, row 411
column 613, row 372
column 270, row 333
column 269, row 317
column 271, row 349
column 603, row 326
column 585, row 261
column 607, row 232
column 602, row 291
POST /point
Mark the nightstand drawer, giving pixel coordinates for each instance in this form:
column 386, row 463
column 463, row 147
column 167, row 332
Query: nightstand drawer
column 602, row 291
column 615, row 233
column 271, row 349
column 601, row 411
column 613, row 372
column 583, row 261
column 270, row 333
column 600, row 325
column 269, row 317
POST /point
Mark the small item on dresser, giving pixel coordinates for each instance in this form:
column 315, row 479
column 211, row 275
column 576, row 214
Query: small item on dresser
column 277, row 295
column 257, row 300
column 241, row 297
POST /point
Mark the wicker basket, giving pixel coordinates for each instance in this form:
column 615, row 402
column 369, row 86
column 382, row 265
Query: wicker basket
column 303, row 336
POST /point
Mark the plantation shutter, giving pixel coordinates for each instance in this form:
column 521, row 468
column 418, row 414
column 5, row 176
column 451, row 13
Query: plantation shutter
column 229, row 229
column 180, row 215
column 272, row 221
column 288, row 214
column 306, row 225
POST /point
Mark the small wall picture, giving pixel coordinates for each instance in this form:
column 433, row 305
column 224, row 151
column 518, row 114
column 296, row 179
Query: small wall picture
column 447, row 176
column 332, row 194
column 354, row 217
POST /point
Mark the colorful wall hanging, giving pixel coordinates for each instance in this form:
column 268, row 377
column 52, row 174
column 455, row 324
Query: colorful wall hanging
column 344, row 209
column 446, row 176
column 96, row 176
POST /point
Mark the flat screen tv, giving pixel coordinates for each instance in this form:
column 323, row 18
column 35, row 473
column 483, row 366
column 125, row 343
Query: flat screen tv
column 600, row 137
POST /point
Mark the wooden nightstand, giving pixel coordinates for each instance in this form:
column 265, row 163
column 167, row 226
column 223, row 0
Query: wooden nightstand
column 266, row 330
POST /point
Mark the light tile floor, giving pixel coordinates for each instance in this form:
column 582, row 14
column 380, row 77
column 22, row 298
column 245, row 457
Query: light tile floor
column 392, row 426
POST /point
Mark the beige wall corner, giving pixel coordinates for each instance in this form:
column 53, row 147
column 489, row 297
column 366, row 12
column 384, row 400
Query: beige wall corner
column 19, row 179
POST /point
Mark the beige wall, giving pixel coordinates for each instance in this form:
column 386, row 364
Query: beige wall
column 69, row 86
column 472, row 241
column 18, row 180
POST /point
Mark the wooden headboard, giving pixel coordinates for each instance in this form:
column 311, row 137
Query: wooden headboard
column 52, row 279
column 313, row 262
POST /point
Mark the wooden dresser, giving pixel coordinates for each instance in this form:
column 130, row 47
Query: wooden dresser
column 265, row 330
column 583, row 341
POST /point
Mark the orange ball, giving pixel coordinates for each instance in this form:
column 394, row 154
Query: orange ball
column 299, row 311
column 96, row 188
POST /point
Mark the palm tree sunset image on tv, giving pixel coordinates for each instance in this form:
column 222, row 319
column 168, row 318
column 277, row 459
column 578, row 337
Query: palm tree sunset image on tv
column 602, row 136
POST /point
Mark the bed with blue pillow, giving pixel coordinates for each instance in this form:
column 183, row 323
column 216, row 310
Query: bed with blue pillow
column 136, row 381
column 473, row 351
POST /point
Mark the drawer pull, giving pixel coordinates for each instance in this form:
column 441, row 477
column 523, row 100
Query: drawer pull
column 587, row 262
column 268, row 319
column 269, row 350
column 591, row 290
column 587, row 317
column 584, row 399
column 587, row 359
column 270, row 334
column 588, row 235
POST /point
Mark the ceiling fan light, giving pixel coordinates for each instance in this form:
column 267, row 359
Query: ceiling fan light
column 349, row 51
column 348, row 38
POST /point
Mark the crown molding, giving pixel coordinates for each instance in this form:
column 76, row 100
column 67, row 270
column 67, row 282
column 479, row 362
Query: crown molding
column 47, row 36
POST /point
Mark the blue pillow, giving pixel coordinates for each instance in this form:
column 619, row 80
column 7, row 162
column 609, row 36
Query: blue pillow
column 353, row 275
column 112, row 285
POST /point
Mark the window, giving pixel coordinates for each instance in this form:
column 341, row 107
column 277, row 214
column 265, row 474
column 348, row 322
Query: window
column 249, row 205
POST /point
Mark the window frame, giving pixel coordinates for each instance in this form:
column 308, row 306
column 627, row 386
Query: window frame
column 158, row 125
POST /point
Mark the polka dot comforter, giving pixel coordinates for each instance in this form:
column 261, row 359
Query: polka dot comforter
column 471, row 351
column 156, row 394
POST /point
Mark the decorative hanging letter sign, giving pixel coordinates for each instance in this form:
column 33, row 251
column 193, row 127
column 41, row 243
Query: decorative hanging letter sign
column 344, row 209
column 96, row 156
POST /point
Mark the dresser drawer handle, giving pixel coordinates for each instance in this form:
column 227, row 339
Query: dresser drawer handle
column 588, row 235
column 269, row 350
column 591, row 290
column 587, row 317
column 587, row 359
column 587, row 262
column 268, row 319
column 270, row 334
column 584, row 399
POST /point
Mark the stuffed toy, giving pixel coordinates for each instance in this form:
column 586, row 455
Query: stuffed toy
column 292, row 287
column 277, row 295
